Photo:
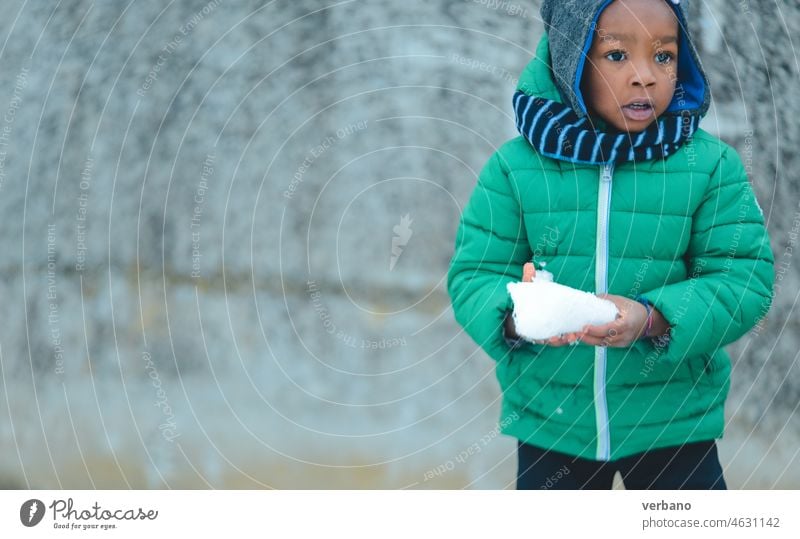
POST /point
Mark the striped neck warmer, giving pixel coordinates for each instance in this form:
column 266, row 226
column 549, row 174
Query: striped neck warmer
column 554, row 130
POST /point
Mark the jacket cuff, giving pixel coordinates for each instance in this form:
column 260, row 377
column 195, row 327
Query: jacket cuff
column 512, row 342
column 691, row 321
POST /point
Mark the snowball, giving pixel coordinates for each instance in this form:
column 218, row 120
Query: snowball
column 544, row 309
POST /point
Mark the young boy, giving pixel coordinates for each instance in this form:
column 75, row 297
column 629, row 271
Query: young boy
column 613, row 186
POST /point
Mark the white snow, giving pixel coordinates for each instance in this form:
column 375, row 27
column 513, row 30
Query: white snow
column 544, row 309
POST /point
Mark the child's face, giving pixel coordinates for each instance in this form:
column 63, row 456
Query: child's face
column 632, row 65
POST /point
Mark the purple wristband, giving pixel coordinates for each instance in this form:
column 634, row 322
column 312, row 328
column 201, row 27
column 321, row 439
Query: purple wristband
column 649, row 306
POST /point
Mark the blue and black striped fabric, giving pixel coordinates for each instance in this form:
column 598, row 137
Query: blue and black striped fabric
column 554, row 130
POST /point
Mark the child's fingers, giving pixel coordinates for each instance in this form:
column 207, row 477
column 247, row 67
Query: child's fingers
column 605, row 330
column 558, row 340
column 609, row 334
column 594, row 341
column 598, row 335
column 616, row 333
column 528, row 272
column 563, row 339
column 570, row 337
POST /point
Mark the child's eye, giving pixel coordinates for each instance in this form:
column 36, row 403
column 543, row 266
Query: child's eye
column 664, row 57
column 615, row 56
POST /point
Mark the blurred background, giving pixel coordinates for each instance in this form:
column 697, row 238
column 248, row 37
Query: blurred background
column 226, row 228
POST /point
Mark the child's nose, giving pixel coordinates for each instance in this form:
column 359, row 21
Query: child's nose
column 643, row 75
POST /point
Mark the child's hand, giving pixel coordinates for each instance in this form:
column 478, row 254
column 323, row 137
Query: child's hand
column 620, row 333
column 528, row 273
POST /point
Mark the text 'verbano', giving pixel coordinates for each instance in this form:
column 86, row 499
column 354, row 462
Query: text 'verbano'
column 666, row 506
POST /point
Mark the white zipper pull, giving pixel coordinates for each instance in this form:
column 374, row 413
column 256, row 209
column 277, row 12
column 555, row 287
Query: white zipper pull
column 607, row 172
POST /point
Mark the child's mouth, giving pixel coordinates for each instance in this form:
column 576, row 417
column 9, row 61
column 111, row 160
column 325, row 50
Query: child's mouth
column 638, row 111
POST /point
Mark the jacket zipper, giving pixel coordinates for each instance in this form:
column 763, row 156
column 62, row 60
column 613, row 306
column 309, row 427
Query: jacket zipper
column 601, row 287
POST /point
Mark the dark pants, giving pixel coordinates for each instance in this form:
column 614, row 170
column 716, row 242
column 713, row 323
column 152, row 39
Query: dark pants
column 693, row 466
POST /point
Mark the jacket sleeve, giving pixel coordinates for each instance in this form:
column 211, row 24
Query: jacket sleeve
column 730, row 266
column 491, row 247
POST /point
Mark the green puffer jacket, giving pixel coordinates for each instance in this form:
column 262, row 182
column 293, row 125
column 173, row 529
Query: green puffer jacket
column 685, row 232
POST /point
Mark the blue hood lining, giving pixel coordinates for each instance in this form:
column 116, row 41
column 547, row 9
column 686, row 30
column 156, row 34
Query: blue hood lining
column 690, row 87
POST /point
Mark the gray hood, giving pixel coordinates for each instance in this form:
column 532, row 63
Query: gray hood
column 570, row 24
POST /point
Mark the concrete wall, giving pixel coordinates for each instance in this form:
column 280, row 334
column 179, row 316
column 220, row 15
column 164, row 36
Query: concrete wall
column 200, row 200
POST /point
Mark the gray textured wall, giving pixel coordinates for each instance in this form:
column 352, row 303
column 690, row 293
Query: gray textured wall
column 199, row 201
